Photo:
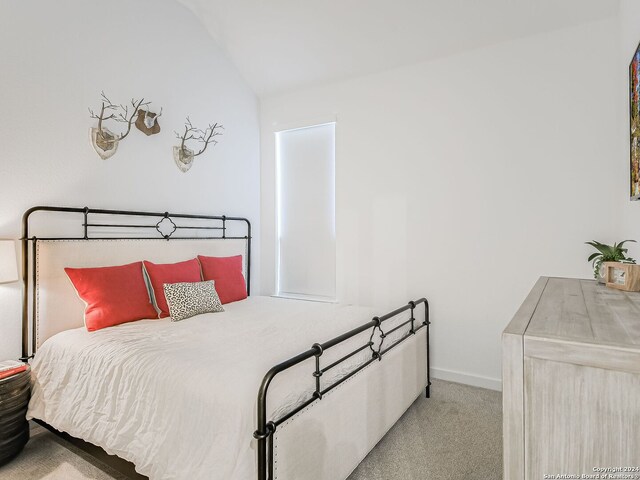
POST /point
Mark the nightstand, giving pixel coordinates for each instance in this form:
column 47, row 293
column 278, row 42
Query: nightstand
column 15, row 392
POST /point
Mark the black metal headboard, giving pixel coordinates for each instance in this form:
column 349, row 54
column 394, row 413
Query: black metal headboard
column 97, row 226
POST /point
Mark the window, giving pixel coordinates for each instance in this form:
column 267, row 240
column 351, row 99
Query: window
column 306, row 256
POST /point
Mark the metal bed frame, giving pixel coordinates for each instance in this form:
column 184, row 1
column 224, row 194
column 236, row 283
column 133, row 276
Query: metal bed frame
column 266, row 429
column 163, row 226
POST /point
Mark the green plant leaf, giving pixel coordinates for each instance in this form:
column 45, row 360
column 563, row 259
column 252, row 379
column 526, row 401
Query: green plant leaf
column 603, row 249
column 607, row 253
column 593, row 256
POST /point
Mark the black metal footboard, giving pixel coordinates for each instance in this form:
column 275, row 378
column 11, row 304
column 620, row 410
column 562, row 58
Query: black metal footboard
column 266, row 428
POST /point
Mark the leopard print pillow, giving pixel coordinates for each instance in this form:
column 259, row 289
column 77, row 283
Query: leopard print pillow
column 189, row 299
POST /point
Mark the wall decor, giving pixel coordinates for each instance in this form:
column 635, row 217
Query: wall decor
column 183, row 155
column 634, row 124
column 147, row 122
column 103, row 140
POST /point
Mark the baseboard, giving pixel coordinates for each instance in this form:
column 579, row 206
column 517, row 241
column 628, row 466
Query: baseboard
column 467, row 379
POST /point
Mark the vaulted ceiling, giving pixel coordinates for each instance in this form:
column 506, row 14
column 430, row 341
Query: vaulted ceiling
column 281, row 45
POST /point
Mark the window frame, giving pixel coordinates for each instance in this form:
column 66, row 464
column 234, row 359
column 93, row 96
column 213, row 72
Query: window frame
column 278, row 183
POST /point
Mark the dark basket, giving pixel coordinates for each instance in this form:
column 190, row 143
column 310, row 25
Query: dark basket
column 15, row 381
column 10, row 447
column 15, row 392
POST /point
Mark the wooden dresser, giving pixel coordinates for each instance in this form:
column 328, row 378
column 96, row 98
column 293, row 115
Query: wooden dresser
column 571, row 381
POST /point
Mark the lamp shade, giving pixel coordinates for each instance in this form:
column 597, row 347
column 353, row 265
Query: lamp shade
column 8, row 262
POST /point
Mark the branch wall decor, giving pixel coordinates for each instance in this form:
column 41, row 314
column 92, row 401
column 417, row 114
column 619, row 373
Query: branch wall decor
column 103, row 140
column 184, row 156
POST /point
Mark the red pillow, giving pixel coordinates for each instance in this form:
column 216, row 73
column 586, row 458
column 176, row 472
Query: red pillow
column 159, row 274
column 226, row 272
column 113, row 295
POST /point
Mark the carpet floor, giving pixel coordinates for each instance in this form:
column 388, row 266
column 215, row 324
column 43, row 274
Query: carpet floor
column 455, row 435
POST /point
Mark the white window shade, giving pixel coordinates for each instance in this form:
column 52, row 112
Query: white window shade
column 306, row 212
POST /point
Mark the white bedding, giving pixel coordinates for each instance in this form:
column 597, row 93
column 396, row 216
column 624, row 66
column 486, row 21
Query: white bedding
column 178, row 398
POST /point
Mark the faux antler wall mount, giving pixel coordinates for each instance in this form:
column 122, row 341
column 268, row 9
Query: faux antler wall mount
column 183, row 155
column 138, row 113
column 103, row 140
column 147, row 122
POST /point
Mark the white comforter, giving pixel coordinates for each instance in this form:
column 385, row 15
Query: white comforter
column 178, row 398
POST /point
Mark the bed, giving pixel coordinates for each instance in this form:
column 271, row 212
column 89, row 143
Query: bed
column 178, row 399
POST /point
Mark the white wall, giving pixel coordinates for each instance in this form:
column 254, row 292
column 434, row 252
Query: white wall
column 629, row 32
column 55, row 59
column 465, row 179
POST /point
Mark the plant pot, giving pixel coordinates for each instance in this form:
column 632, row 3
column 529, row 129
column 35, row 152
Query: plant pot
column 601, row 275
column 622, row 276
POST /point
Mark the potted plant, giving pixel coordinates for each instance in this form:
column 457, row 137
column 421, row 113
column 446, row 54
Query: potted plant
column 607, row 253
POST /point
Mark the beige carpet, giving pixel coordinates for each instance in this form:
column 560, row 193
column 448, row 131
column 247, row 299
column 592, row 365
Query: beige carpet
column 48, row 457
column 455, row 435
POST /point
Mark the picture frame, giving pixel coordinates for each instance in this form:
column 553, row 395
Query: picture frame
column 634, row 125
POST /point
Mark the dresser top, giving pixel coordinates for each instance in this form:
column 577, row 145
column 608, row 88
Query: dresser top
column 579, row 311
